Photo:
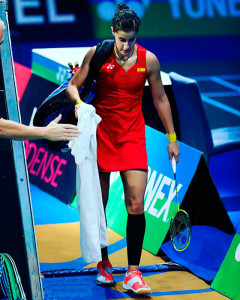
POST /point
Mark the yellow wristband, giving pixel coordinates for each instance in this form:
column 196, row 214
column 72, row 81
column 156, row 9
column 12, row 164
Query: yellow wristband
column 79, row 101
column 171, row 137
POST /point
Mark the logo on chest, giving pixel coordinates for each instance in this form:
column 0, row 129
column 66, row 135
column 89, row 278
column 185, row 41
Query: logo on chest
column 110, row 67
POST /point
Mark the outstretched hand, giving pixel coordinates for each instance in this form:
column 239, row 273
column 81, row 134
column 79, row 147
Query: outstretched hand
column 61, row 132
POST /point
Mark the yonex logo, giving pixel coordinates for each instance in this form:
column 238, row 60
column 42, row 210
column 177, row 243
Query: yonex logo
column 110, row 67
column 156, row 191
column 237, row 253
column 159, row 195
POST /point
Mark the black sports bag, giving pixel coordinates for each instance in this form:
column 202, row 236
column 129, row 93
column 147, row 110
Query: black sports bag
column 57, row 102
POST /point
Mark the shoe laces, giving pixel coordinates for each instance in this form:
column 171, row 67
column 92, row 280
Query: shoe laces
column 106, row 266
column 138, row 274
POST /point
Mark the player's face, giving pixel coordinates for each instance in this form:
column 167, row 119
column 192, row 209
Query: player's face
column 125, row 41
column 1, row 37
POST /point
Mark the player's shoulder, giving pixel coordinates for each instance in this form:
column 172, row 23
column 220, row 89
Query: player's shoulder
column 91, row 51
column 151, row 57
column 89, row 55
column 152, row 63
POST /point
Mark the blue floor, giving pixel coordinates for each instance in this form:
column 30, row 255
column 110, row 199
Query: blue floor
column 205, row 253
column 221, row 98
column 49, row 210
column 95, row 292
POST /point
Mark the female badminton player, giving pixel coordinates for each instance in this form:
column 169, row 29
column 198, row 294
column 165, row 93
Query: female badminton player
column 121, row 143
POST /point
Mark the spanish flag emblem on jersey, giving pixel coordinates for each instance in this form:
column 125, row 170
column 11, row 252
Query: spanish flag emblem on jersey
column 141, row 69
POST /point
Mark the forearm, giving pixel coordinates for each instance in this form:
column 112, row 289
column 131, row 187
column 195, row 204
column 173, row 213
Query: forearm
column 16, row 131
column 73, row 93
column 164, row 111
column 79, row 78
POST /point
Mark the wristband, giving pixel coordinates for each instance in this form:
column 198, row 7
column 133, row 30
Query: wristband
column 79, row 101
column 171, row 137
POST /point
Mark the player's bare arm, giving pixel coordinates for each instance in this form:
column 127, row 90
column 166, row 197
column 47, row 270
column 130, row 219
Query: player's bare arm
column 161, row 101
column 54, row 131
column 79, row 77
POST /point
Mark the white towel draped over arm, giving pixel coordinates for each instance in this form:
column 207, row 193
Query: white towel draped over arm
column 93, row 231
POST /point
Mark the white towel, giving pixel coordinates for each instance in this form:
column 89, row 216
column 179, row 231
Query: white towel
column 93, row 231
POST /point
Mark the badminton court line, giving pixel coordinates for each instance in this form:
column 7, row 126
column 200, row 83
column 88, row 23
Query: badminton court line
column 113, row 294
column 222, row 94
column 209, row 77
column 221, row 105
column 226, row 83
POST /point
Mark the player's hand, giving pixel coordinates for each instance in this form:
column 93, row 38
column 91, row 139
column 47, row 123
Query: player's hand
column 75, row 110
column 173, row 150
column 60, row 132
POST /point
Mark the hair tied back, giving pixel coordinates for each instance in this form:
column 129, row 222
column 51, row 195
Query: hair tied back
column 122, row 6
column 125, row 19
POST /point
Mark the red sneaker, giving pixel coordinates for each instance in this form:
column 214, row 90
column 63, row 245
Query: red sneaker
column 104, row 276
column 133, row 281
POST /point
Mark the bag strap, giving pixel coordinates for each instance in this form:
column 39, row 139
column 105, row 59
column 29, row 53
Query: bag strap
column 103, row 51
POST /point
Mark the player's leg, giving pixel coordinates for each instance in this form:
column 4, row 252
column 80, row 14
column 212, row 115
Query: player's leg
column 134, row 182
column 104, row 182
column 104, row 267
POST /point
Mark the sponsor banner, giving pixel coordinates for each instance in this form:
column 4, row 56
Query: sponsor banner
column 49, row 20
column 164, row 18
column 52, row 64
column 53, row 172
column 160, row 196
column 226, row 281
column 59, row 20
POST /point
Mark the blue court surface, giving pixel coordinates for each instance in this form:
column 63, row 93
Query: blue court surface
column 221, row 98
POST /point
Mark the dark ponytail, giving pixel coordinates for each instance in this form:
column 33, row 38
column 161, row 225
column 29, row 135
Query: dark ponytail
column 125, row 19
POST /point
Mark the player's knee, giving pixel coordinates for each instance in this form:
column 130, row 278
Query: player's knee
column 135, row 206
